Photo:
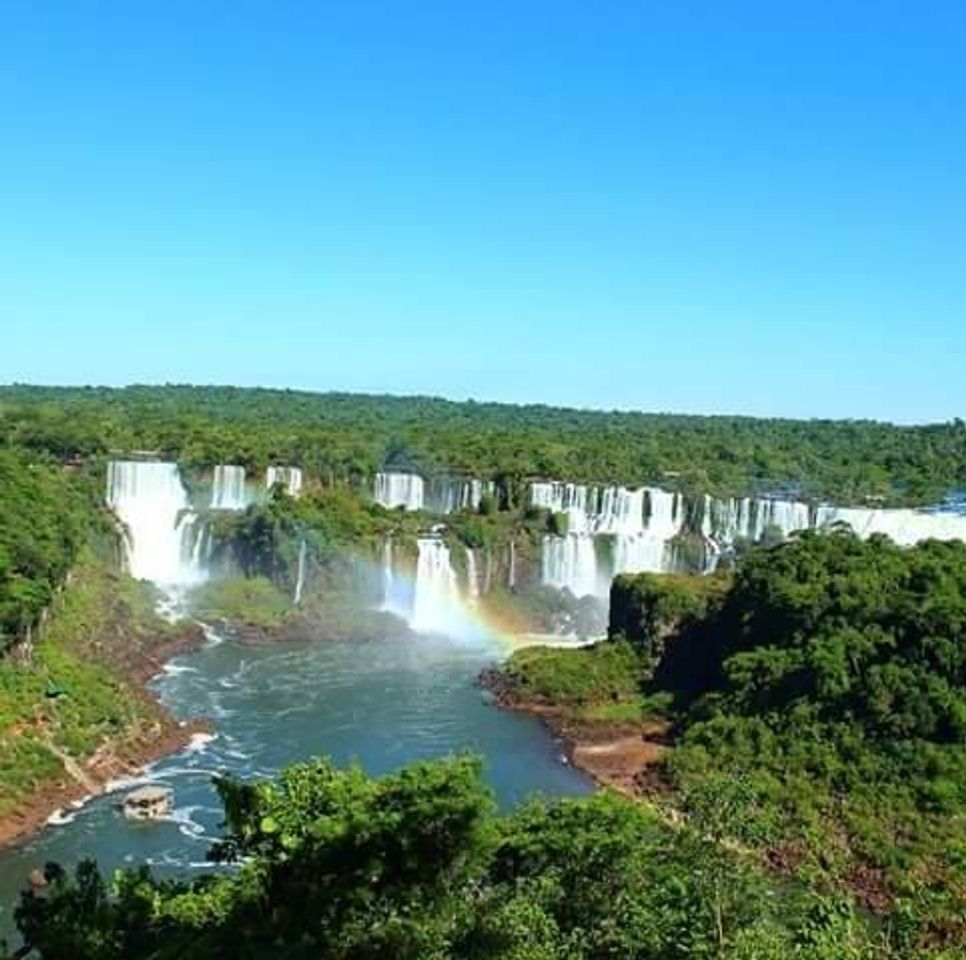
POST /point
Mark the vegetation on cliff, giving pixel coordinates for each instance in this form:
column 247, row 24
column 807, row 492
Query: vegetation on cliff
column 827, row 677
column 47, row 514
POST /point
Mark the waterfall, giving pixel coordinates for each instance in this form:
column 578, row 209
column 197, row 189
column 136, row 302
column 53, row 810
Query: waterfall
column 151, row 501
column 593, row 510
column 472, row 577
column 289, row 477
column 228, row 491
column 642, row 553
column 905, row 527
column 650, row 550
column 569, row 498
column 449, row 494
column 641, row 522
column 619, row 511
column 436, row 599
column 300, row 578
column 643, row 525
column 197, row 542
column 396, row 590
column 571, row 562
column 405, row 490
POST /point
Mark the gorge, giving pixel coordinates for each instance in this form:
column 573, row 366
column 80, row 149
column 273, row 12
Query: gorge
column 345, row 604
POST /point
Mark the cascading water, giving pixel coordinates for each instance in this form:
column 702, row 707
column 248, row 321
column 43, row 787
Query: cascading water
column 228, row 491
column 645, row 523
column 449, row 494
column 387, row 574
column 568, row 498
column 396, row 589
column 300, row 577
column 289, row 477
column 407, row 490
column 570, row 563
column 648, row 550
column 640, row 522
column 436, row 606
column 905, row 527
column 151, row 501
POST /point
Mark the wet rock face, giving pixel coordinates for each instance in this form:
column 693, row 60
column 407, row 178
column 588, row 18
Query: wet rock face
column 147, row 803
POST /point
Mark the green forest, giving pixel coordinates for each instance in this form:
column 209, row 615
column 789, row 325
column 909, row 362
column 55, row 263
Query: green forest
column 825, row 680
column 418, row 866
column 47, row 514
column 347, row 437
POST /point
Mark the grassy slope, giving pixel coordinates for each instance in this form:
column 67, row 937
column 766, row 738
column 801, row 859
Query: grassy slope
column 95, row 643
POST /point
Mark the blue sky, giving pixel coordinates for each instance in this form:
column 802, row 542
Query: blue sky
column 705, row 207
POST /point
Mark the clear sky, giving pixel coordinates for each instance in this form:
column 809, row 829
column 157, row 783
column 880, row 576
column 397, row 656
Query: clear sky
column 709, row 207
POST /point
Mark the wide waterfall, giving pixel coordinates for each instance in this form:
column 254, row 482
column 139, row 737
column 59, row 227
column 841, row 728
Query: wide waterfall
column 637, row 523
column 228, row 491
column 436, row 607
column 640, row 528
column 439, row 495
column 569, row 498
column 289, row 477
column 905, row 527
column 151, row 501
column 449, row 494
column 407, row 490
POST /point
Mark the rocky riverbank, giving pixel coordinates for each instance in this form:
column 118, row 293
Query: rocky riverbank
column 624, row 756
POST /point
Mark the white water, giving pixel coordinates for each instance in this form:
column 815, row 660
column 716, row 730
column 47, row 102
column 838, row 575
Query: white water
column 300, row 578
column 570, row 563
column 905, row 527
column 644, row 523
column 639, row 522
column 289, row 477
column 436, row 606
column 407, row 490
column 387, row 574
column 151, row 501
column 449, row 494
column 439, row 495
column 396, row 589
column 228, row 491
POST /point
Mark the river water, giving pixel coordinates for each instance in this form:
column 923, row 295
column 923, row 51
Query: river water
column 382, row 703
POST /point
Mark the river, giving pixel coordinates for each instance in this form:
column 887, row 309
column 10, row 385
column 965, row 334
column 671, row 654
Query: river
column 383, row 703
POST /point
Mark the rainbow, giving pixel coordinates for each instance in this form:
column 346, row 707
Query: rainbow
column 472, row 620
